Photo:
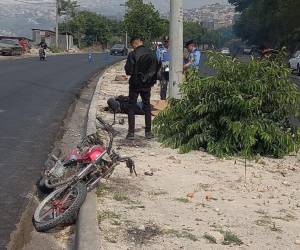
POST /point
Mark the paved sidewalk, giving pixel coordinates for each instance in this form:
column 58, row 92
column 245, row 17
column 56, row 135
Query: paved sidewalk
column 194, row 199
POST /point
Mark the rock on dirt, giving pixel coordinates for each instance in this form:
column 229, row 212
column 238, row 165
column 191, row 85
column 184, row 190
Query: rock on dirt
column 120, row 78
column 218, row 237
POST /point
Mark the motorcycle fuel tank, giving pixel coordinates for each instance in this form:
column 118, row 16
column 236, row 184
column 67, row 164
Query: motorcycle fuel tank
column 93, row 153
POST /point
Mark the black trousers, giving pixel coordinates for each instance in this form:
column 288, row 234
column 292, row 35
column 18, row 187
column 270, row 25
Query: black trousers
column 163, row 89
column 164, row 82
column 133, row 96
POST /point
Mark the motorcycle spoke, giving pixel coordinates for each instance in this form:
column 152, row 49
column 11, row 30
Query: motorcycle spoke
column 66, row 202
column 46, row 213
column 55, row 213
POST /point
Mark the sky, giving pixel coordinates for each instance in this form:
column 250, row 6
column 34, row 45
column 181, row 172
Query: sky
column 187, row 3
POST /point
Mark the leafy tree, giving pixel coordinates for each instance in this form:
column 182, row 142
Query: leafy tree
column 116, row 31
column 90, row 28
column 242, row 110
column 67, row 6
column 273, row 23
column 142, row 19
column 193, row 31
column 216, row 38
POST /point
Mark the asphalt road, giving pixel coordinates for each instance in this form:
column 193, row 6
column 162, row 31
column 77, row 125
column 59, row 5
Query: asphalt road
column 34, row 99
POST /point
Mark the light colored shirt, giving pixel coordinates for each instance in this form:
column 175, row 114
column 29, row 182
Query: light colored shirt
column 194, row 57
column 163, row 54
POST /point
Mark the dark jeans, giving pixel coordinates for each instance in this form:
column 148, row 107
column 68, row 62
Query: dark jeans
column 163, row 89
column 164, row 82
column 133, row 96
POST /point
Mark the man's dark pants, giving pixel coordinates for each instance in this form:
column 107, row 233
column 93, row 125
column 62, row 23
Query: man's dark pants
column 164, row 82
column 145, row 94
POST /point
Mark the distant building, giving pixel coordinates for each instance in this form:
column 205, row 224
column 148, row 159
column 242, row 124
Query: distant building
column 65, row 40
column 219, row 24
column 39, row 35
column 212, row 17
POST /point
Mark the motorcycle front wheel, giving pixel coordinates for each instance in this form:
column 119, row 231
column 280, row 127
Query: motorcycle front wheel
column 61, row 207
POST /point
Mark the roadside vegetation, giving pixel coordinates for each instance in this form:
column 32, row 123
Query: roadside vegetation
column 243, row 110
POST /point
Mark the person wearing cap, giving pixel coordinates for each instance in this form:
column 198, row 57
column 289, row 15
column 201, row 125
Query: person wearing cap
column 163, row 56
column 142, row 67
column 193, row 57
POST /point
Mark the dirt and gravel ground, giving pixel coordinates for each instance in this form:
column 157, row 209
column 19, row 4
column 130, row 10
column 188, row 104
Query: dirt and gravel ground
column 195, row 200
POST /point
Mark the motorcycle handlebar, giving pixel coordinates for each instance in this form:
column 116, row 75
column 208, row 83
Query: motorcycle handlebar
column 129, row 164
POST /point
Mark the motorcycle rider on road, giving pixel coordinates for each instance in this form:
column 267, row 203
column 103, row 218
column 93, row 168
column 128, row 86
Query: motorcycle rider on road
column 43, row 46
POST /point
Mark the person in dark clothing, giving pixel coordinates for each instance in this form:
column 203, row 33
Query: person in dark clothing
column 142, row 67
column 43, row 45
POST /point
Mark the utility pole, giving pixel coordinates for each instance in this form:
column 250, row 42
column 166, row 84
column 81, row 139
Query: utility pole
column 176, row 45
column 125, row 12
column 56, row 22
column 126, row 33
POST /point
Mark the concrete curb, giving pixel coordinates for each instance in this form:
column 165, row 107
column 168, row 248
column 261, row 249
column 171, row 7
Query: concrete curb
column 87, row 229
column 91, row 119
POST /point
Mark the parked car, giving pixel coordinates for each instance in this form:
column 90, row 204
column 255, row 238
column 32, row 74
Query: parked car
column 225, row 51
column 119, row 49
column 255, row 51
column 10, row 48
column 247, row 51
column 294, row 62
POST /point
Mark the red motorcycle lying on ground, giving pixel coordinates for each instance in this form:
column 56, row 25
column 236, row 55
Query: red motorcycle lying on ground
column 62, row 205
column 61, row 171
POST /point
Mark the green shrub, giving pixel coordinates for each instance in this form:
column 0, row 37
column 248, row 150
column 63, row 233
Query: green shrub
column 242, row 110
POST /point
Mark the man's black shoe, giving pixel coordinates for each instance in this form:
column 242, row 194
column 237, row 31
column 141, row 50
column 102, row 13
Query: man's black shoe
column 149, row 135
column 130, row 136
